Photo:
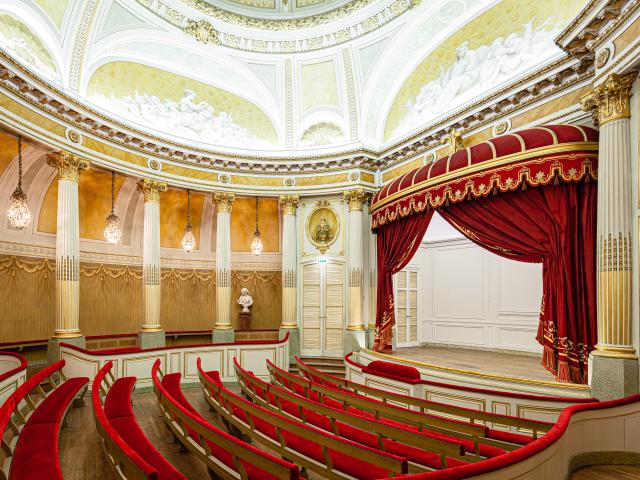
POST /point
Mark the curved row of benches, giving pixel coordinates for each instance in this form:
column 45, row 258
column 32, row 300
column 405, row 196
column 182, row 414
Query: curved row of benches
column 30, row 422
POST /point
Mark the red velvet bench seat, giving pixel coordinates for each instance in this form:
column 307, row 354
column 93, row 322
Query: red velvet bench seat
column 36, row 452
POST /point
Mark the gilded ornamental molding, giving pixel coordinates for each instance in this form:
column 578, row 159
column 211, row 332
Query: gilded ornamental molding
column 151, row 189
column 223, row 201
column 289, row 204
column 68, row 165
column 610, row 100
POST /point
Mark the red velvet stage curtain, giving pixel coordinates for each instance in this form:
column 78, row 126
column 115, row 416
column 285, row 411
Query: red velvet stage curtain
column 397, row 244
column 555, row 226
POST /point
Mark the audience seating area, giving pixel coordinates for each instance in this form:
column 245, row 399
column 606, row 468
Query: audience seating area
column 30, row 422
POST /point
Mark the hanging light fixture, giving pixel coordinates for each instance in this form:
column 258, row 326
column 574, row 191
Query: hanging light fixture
column 256, row 245
column 188, row 241
column 18, row 212
column 112, row 231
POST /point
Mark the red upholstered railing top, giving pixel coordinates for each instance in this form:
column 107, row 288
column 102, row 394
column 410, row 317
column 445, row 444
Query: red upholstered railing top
column 503, row 150
column 13, row 371
column 395, row 370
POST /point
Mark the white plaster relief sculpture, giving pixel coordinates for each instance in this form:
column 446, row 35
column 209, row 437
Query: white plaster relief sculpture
column 245, row 300
column 476, row 71
column 22, row 48
column 197, row 121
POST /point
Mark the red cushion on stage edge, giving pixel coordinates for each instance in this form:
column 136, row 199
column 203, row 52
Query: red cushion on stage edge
column 389, row 368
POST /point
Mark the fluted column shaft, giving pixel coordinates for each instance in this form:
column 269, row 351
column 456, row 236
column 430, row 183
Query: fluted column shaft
column 224, row 202
column 355, row 263
column 151, row 254
column 610, row 104
column 289, row 205
column 67, row 244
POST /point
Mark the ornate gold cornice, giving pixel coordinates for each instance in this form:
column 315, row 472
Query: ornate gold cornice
column 69, row 166
column 289, row 204
column 356, row 198
column 151, row 189
column 224, row 201
column 610, row 100
column 454, row 141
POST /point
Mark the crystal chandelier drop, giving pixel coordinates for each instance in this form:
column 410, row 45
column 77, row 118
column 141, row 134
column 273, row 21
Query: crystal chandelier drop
column 18, row 212
column 188, row 241
column 112, row 231
column 256, row 244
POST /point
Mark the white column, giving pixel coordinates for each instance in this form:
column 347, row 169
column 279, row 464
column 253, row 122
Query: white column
column 224, row 202
column 614, row 364
column 373, row 284
column 289, row 205
column 67, row 244
column 151, row 254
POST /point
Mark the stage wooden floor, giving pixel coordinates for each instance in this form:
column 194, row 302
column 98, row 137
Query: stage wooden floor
column 494, row 363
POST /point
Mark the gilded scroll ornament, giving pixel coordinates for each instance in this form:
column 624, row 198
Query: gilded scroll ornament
column 610, row 100
column 151, row 189
column 356, row 198
column 323, row 226
column 224, row 201
column 69, row 166
column 289, row 204
column 202, row 31
column 454, row 141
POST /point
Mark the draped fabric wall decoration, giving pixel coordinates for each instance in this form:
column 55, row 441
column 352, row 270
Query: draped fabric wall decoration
column 266, row 290
column 111, row 298
column 553, row 224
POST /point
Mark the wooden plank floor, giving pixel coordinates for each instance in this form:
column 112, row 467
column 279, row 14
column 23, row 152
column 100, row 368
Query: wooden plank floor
column 494, row 363
column 608, row 472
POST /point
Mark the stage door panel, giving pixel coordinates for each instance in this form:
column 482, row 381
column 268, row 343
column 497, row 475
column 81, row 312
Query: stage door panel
column 406, row 302
column 322, row 309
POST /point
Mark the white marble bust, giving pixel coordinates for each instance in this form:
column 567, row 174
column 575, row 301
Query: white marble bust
column 245, row 300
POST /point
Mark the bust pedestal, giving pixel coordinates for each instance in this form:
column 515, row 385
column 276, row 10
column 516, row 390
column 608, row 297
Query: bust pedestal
column 245, row 321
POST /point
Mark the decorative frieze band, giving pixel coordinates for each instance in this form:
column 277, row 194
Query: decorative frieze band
column 68, row 165
column 151, row 189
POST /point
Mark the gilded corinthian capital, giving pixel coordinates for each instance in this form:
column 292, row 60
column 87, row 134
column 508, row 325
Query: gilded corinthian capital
column 289, row 204
column 356, row 198
column 610, row 100
column 151, row 189
column 224, row 201
column 69, row 166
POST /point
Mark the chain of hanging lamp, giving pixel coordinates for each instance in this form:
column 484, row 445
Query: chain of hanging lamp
column 112, row 232
column 256, row 244
column 188, row 240
column 18, row 213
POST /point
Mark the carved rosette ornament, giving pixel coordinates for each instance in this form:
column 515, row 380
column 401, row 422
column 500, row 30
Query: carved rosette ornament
column 69, row 166
column 289, row 204
column 224, row 201
column 202, row 31
column 151, row 189
column 610, row 100
column 356, row 199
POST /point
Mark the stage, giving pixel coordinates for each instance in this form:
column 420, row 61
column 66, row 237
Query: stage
column 509, row 371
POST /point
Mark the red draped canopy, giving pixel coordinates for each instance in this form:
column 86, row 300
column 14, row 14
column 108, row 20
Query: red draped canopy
column 553, row 224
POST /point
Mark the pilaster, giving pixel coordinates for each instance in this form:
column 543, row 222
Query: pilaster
column 289, row 207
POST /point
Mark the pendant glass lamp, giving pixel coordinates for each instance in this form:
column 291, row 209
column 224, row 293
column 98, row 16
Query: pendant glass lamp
column 112, row 232
column 256, row 244
column 18, row 213
column 188, row 240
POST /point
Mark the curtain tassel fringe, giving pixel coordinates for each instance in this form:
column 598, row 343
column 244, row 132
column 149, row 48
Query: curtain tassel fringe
column 556, row 181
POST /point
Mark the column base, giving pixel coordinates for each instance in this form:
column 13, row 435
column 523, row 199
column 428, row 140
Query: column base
column 226, row 335
column 53, row 347
column 370, row 334
column 354, row 340
column 151, row 339
column 294, row 342
column 611, row 377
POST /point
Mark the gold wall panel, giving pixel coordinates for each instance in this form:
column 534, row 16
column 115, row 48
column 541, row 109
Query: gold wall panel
column 630, row 35
column 110, row 150
column 500, row 20
column 243, row 224
column 48, row 218
column 266, row 290
column 29, row 116
column 94, row 202
column 173, row 217
column 321, row 179
column 264, row 181
column 8, row 150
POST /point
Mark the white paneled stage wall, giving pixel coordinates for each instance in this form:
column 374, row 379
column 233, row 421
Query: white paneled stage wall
column 470, row 297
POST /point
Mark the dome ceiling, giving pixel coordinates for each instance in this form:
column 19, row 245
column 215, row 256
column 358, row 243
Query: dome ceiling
column 276, row 76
